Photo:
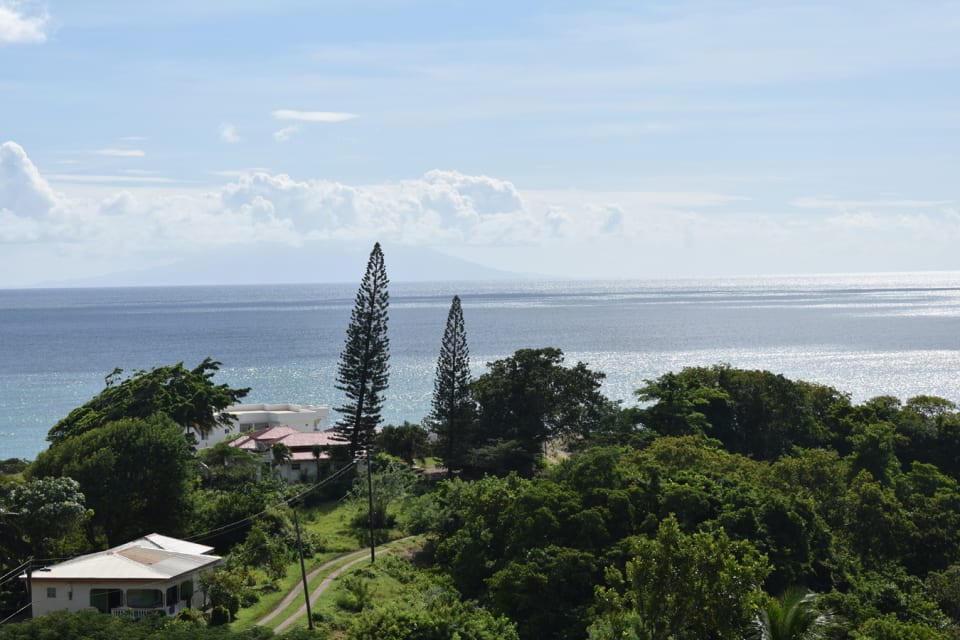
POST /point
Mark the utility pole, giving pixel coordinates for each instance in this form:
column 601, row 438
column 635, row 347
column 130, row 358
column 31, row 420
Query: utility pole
column 370, row 500
column 303, row 571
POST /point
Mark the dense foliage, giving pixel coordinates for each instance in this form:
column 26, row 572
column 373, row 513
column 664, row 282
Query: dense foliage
column 428, row 609
column 136, row 474
column 525, row 400
column 780, row 484
column 189, row 397
column 93, row 624
column 43, row 515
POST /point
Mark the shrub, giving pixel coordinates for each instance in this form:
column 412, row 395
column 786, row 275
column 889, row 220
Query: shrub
column 219, row 616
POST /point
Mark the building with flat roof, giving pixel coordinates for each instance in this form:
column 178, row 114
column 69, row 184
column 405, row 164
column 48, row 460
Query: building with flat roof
column 256, row 417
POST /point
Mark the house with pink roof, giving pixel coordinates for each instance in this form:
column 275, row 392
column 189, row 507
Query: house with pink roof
column 306, row 450
column 245, row 418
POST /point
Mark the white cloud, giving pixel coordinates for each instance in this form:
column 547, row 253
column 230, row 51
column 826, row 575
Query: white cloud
column 441, row 209
column 843, row 205
column 286, row 133
column 313, row 116
column 236, row 173
column 23, row 191
column 120, row 153
column 228, row 133
column 17, row 27
column 482, row 218
column 108, row 179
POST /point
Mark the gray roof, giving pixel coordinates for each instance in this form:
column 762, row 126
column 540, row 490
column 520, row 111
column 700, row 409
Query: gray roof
column 152, row 557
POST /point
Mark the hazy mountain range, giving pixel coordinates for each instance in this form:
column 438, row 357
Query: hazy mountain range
column 317, row 262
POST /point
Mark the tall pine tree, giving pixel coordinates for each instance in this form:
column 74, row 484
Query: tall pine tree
column 453, row 409
column 362, row 374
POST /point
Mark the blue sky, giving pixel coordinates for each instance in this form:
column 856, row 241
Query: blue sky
column 603, row 139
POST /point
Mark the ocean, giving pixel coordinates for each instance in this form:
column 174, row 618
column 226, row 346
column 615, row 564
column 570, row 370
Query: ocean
column 867, row 335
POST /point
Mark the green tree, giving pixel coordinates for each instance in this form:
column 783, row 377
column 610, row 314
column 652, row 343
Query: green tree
column 547, row 593
column 874, row 451
column 683, row 404
column 391, row 482
column 137, row 475
column 188, row 396
column 453, row 408
column 226, row 467
column 48, row 510
column 530, row 397
column 363, row 371
column 756, row 413
column 408, row 441
column 793, row 616
column 684, row 587
column 280, row 453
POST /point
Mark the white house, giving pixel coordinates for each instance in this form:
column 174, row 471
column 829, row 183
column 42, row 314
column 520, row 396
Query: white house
column 153, row 573
column 255, row 417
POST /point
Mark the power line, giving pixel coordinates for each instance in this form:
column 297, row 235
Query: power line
column 237, row 523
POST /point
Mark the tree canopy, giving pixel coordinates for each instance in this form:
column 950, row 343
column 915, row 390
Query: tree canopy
column 189, row 397
column 136, row 474
column 527, row 398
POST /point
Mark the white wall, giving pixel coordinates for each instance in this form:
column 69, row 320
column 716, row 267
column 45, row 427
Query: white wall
column 75, row 596
column 250, row 417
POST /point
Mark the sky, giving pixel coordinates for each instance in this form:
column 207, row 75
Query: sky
column 560, row 139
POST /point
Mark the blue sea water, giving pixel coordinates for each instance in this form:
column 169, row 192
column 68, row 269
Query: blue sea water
column 867, row 335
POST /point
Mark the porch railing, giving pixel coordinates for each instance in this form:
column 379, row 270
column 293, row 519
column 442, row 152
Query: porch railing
column 136, row 612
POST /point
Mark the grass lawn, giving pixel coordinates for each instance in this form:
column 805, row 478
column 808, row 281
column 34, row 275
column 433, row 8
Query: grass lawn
column 330, row 522
column 338, row 604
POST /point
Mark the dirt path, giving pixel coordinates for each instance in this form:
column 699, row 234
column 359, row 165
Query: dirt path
column 352, row 558
column 326, row 582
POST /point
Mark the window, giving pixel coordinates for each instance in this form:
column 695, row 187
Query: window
column 295, row 466
column 144, row 598
column 51, row 592
column 106, row 599
column 186, row 590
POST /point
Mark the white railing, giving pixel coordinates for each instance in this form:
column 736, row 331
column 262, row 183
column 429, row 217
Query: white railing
column 135, row 612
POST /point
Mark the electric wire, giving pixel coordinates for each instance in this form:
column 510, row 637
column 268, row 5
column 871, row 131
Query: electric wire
column 250, row 518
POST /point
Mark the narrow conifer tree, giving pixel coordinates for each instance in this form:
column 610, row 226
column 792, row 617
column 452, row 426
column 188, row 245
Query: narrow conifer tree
column 362, row 374
column 453, row 409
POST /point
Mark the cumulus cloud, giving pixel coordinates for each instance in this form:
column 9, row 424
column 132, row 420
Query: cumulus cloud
column 441, row 209
column 487, row 219
column 23, row 191
column 313, row 116
column 228, row 133
column 17, row 27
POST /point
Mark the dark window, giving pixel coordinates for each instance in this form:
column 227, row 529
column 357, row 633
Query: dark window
column 186, row 590
column 106, row 599
column 144, row 598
